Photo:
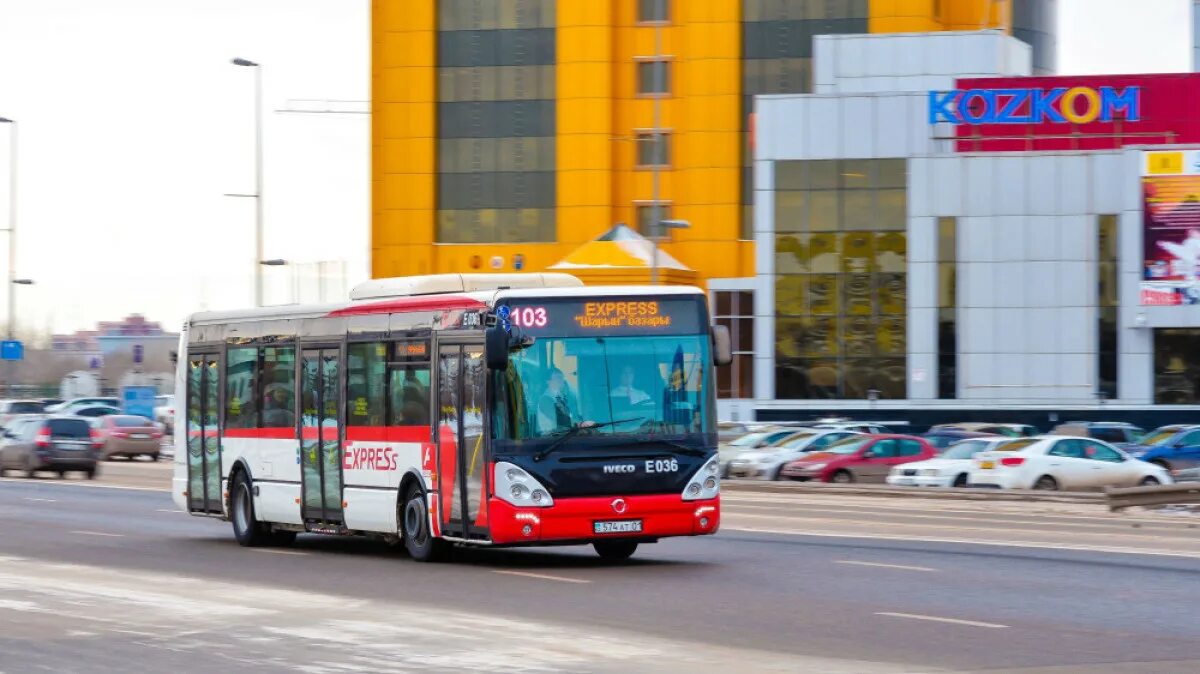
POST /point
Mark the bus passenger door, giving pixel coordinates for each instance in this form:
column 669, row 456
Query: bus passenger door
column 203, row 439
column 462, row 452
column 320, row 444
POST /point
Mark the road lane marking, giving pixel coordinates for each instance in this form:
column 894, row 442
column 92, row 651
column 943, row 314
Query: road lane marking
column 881, row 565
column 966, row 541
column 936, row 619
column 42, row 500
column 541, row 576
column 46, row 483
column 279, row 552
column 166, row 510
column 98, row 533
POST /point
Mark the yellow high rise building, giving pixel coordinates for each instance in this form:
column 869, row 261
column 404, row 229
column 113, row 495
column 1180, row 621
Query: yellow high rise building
column 511, row 132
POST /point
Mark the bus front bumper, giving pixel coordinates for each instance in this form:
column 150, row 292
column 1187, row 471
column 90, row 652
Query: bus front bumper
column 579, row 519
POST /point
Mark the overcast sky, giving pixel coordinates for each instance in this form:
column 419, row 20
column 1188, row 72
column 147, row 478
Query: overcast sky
column 133, row 124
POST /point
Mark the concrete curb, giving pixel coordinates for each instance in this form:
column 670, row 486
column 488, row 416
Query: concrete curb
column 756, row 486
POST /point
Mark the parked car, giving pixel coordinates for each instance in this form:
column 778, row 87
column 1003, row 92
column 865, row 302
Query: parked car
column 941, row 439
column 1011, row 430
column 1062, row 462
column 49, row 402
column 11, row 408
column 952, row 468
column 764, row 463
column 67, row 407
column 164, row 412
column 859, row 459
column 726, row 451
column 93, row 411
column 129, row 436
column 1115, row 432
column 869, row 427
column 51, row 443
column 1172, row 447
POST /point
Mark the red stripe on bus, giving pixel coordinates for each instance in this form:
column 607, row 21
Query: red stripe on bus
column 388, row 433
column 440, row 303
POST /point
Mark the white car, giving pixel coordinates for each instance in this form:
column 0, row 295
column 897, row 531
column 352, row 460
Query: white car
column 951, row 469
column 764, row 463
column 164, row 412
column 726, row 451
column 1062, row 462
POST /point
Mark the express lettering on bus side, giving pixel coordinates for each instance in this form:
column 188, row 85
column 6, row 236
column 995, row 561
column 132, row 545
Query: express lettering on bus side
column 369, row 458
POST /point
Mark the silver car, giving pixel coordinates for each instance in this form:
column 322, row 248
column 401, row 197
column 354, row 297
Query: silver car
column 764, row 463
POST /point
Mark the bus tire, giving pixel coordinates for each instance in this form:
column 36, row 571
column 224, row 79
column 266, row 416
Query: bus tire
column 246, row 529
column 414, row 528
column 615, row 551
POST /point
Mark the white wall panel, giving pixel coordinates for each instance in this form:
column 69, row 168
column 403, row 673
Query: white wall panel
column 1042, row 278
column 858, row 139
column 891, row 128
column 822, row 129
column 1041, row 181
column 1009, row 174
column 1075, row 193
column 981, row 195
column 1008, row 237
column 1076, row 240
column 922, row 240
column 1041, row 237
column 945, row 185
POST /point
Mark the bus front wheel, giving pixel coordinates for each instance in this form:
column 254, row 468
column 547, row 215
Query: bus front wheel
column 615, row 551
column 420, row 542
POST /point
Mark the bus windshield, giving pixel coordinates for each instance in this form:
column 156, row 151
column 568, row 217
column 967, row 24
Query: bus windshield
column 644, row 385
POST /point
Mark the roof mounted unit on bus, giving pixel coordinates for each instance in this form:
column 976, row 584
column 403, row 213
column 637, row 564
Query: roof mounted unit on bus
column 437, row 284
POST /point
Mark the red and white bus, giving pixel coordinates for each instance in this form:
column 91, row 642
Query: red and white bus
column 471, row 409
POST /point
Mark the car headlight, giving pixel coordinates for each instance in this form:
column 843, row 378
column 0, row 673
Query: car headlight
column 705, row 484
column 519, row 488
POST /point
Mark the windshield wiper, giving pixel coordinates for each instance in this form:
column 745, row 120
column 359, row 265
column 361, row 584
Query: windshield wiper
column 574, row 430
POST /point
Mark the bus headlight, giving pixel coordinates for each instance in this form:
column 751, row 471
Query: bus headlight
column 519, row 488
column 706, row 483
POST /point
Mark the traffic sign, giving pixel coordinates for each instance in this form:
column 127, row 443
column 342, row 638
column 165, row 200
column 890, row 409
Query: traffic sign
column 138, row 400
column 12, row 349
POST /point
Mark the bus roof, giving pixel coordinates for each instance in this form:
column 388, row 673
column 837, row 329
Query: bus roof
column 430, row 302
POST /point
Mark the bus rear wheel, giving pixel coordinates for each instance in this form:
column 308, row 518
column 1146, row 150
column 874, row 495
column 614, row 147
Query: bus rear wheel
column 615, row 551
column 420, row 542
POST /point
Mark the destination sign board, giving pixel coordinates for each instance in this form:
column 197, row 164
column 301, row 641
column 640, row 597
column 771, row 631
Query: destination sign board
column 599, row 316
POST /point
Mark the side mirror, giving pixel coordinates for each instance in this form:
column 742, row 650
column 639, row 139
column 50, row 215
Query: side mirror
column 722, row 345
column 495, row 347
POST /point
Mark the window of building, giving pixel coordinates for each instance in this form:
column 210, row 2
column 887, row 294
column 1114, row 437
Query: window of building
column 653, row 77
column 947, row 346
column 735, row 310
column 653, row 149
column 841, row 294
column 647, row 218
column 777, row 38
column 1177, row 366
column 654, row 11
column 497, row 113
column 1106, row 263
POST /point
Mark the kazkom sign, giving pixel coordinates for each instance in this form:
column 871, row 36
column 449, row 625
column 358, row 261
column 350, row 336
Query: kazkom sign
column 1069, row 113
column 1077, row 105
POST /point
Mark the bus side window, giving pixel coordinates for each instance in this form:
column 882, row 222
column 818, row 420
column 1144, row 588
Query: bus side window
column 410, row 395
column 366, row 383
column 241, row 373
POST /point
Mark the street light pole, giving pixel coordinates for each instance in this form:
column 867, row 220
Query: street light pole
column 12, row 227
column 258, row 178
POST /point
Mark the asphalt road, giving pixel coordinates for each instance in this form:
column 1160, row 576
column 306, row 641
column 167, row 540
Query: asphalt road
column 98, row 578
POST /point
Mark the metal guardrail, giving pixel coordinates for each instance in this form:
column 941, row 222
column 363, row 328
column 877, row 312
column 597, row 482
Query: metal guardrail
column 1167, row 494
column 883, row 490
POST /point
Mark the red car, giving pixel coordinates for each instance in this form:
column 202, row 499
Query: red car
column 859, row 459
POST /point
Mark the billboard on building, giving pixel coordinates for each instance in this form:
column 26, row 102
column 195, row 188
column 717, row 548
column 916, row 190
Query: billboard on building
column 1094, row 112
column 1170, row 228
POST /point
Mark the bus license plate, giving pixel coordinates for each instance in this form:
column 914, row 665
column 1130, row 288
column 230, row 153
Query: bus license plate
column 617, row 527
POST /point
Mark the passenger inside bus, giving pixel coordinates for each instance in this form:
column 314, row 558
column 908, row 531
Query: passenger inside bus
column 277, row 407
column 410, row 396
column 556, row 410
